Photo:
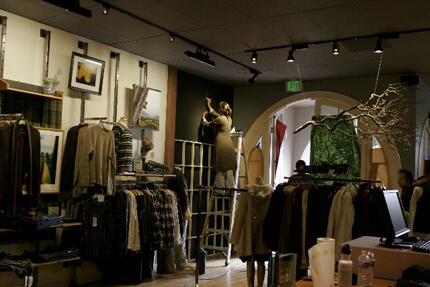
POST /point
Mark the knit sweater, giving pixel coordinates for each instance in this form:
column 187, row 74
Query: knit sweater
column 95, row 159
column 123, row 148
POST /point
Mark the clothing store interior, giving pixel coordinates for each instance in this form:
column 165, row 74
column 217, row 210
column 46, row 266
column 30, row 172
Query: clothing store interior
column 228, row 143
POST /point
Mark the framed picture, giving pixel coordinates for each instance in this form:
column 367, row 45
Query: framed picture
column 86, row 74
column 51, row 149
column 146, row 108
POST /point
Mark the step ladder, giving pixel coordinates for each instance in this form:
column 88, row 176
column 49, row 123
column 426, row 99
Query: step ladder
column 222, row 206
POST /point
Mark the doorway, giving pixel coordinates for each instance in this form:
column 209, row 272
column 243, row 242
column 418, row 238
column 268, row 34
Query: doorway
column 296, row 110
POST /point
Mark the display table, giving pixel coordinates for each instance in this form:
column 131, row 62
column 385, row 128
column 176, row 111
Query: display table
column 376, row 283
column 389, row 262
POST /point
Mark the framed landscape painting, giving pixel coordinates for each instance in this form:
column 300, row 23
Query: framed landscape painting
column 146, row 108
column 86, row 74
column 51, row 149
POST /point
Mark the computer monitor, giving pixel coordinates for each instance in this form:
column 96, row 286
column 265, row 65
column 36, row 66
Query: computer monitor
column 395, row 221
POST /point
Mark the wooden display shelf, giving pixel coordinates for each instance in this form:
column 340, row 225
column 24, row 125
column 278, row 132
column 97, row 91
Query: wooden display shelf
column 146, row 175
column 66, row 225
column 55, row 262
column 5, row 87
column 53, row 226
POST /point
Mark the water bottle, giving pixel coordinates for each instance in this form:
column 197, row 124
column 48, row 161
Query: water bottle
column 363, row 269
column 371, row 267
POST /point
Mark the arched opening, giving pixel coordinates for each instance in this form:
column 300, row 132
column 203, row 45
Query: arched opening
column 306, row 105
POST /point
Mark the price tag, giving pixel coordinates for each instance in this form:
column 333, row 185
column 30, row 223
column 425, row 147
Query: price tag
column 101, row 198
column 24, row 189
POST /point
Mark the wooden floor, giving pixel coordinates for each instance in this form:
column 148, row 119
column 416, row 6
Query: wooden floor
column 215, row 267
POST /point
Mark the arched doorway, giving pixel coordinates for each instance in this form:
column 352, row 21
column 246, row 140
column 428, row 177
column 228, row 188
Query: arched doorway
column 260, row 132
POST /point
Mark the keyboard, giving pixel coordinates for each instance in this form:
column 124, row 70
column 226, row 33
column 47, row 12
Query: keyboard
column 422, row 246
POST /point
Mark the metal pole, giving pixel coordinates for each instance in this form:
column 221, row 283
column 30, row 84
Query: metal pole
column 83, row 46
column 197, row 249
column 47, row 35
column 3, row 20
column 116, row 56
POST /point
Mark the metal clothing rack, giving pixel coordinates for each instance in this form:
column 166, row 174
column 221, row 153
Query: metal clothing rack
column 95, row 119
column 337, row 179
column 18, row 116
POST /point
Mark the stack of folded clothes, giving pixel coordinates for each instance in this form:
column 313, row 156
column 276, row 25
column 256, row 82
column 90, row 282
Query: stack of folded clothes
column 40, row 222
column 156, row 168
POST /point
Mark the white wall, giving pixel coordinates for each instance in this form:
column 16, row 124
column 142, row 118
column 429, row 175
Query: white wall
column 24, row 62
column 302, row 139
column 289, row 141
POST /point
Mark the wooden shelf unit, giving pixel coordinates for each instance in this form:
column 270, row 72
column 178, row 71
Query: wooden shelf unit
column 5, row 87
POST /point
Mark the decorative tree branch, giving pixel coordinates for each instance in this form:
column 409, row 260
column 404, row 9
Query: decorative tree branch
column 386, row 116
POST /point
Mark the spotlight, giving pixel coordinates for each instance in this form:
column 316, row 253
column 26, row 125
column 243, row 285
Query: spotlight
column 172, row 38
column 336, row 48
column 290, row 56
column 252, row 80
column 254, row 58
column 106, row 9
column 201, row 56
column 378, row 48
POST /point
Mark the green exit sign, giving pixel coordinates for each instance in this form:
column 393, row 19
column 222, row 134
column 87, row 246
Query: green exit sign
column 294, row 86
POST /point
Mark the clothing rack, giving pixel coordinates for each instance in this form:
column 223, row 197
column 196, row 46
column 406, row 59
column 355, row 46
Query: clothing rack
column 95, row 119
column 17, row 116
column 109, row 123
column 336, row 179
column 136, row 182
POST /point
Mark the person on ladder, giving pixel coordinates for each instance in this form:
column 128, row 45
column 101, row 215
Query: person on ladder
column 225, row 155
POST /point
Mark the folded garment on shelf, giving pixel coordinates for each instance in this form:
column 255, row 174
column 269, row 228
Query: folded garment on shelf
column 156, row 168
column 21, row 267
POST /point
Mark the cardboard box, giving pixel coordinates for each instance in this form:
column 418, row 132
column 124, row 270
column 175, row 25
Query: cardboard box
column 389, row 263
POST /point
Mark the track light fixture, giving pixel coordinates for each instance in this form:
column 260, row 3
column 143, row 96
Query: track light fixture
column 106, row 9
column 72, row 6
column 255, row 75
column 378, row 48
column 336, row 48
column 290, row 56
column 172, row 37
column 254, row 58
column 201, row 56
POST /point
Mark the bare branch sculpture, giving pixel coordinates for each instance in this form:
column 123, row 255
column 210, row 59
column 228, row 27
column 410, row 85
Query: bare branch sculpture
column 386, row 116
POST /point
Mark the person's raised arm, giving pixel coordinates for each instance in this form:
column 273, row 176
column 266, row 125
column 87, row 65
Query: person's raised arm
column 210, row 109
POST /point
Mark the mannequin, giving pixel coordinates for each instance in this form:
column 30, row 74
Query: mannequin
column 123, row 121
column 248, row 229
column 250, row 266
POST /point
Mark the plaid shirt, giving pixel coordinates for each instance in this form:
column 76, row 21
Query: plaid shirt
column 163, row 219
column 167, row 221
column 157, row 201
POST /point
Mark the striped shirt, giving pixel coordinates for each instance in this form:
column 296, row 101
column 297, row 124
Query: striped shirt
column 123, row 148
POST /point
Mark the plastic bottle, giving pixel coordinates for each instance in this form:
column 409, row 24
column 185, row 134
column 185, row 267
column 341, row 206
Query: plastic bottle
column 345, row 267
column 370, row 275
column 363, row 269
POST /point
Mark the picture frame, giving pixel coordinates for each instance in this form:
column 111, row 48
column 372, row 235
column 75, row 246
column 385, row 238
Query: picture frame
column 146, row 108
column 51, row 151
column 86, row 74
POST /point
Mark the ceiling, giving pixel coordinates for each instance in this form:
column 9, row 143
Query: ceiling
column 232, row 26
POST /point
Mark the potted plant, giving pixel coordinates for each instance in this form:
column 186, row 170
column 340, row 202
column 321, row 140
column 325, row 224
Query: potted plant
column 50, row 84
